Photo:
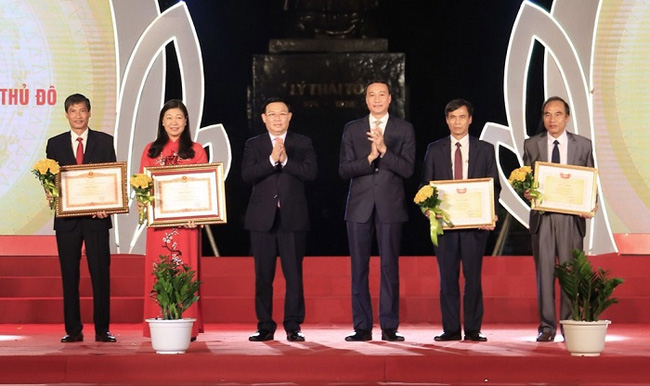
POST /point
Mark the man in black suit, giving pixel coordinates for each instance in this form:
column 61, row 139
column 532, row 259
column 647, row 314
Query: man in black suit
column 555, row 235
column 77, row 146
column 377, row 154
column 277, row 164
column 461, row 156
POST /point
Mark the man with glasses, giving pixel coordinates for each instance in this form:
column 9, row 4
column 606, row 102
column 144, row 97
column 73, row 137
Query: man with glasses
column 277, row 164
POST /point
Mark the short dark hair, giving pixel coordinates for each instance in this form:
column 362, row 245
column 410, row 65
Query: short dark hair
column 74, row 99
column 557, row 98
column 457, row 103
column 373, row 81
column 275, row 100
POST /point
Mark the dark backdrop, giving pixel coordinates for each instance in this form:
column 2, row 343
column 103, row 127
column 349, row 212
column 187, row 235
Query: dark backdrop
column 453, row 49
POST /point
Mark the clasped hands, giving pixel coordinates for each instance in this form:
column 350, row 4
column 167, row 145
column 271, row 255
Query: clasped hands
column 279, row 154
column 377, row 145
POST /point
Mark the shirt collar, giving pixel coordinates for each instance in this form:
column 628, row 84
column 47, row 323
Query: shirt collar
column 383, row 120
column 83, row 135
column 283, row 136
column 562, row 139
column 463, row 141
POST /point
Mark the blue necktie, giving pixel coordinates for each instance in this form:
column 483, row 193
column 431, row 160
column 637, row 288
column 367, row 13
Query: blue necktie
column 555, row 156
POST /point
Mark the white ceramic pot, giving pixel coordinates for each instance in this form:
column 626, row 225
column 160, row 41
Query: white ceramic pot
column 170, row 336
column 585, row 338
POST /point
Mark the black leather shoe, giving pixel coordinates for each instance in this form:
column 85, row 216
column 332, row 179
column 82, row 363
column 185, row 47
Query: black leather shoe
column 446, row 337
column 392, row 335
column 105, row 337
column 545, row 336
column 261, row 336
column 70, row 338
column 359, row 336
column 295, row 336
column 475, row 337
column 193, row 339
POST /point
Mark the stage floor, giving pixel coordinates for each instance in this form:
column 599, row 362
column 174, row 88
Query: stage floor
column 32, row 353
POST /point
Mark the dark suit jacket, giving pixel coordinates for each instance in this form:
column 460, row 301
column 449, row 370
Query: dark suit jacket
column 285, row 185
column 578, row 153
column 99, row 149
column 382, row 189
column 482, row 164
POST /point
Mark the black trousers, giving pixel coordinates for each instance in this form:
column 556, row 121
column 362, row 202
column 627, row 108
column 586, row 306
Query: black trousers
column 98, row 254
column 458, row 248
column 360, row 236
column 290, row 246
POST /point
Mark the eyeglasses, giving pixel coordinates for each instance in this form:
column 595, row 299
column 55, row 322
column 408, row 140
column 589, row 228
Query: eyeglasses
column 281, row 115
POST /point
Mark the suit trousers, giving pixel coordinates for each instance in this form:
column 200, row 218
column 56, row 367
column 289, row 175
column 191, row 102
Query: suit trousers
column 360, row 237
column 458, row 248
column 98, row 255
column 290, row 246
column 557, row 235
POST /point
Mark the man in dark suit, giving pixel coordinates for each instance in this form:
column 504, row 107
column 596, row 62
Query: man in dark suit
column 377, row 154
column 277, row 164
column 461, row 156
column 77, row 146
column 554, row 234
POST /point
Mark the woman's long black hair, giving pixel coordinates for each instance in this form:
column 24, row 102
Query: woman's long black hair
column 185, row 150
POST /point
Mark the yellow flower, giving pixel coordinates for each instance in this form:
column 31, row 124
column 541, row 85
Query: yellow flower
column 45, row 165
column 519, row 174
column 425, row 192
column 141, row 181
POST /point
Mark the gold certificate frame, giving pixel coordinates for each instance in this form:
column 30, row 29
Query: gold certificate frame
column 182, row 193
column 567, row 189
column 90, row 188
column 469, row 203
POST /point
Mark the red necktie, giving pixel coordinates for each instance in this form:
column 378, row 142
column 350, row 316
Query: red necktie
column 458, row 163
column 80, row 151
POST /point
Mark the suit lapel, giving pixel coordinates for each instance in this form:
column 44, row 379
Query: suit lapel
column 267, row 143
column 473, row 157
column 67, row 144
column 543, row 148
column 387, row 130
column 90, row 146
column 446, row 159
column 571, row 149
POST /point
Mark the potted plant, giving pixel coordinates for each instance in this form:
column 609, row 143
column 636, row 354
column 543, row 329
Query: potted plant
column 590, row 293
column 175, row 289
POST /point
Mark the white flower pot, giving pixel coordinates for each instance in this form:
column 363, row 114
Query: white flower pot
column 585, row 338
column 170, row 336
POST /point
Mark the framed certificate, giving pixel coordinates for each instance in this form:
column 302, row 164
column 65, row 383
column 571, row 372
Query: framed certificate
column 469, row 203
column 187, row 192
column 565, row 188
column 89, row 188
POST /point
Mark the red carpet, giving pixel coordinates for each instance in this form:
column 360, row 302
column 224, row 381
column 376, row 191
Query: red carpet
column 32, row 354
column 31, row 326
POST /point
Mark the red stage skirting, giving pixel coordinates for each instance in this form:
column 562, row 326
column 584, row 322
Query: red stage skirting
column 31, row 289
